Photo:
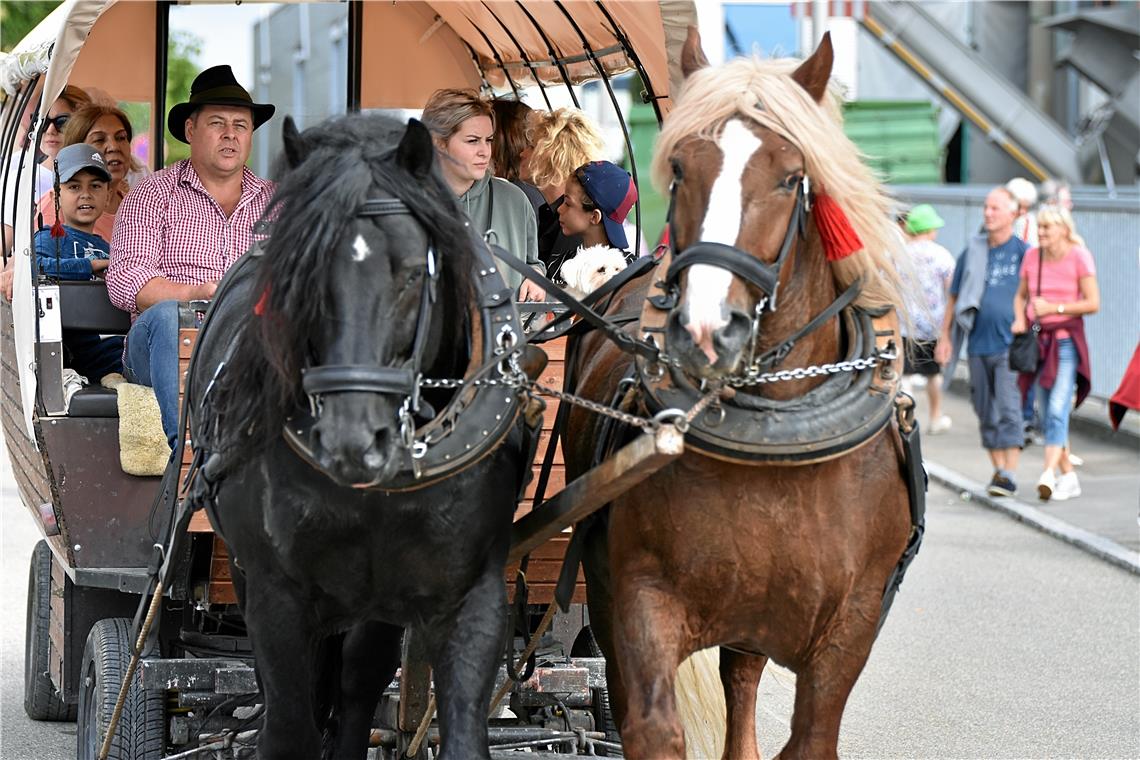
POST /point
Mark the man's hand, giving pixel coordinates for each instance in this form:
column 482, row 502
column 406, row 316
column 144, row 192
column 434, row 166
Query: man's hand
column 205, row 291
column 531, row 292
column 99, row 266
column 942, row 350
column 6, row 284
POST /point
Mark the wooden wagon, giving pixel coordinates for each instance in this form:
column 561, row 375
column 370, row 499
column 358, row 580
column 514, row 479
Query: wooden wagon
column 89, row 573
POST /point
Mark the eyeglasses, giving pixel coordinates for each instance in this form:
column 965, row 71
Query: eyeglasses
column 58, row 121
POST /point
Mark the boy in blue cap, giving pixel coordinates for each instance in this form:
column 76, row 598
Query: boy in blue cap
column 70, row 250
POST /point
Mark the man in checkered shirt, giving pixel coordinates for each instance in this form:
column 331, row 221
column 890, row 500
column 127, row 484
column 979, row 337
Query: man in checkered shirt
column 178, row 231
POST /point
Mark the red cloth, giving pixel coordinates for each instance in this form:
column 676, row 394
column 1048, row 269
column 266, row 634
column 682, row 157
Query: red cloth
column 1127, row 396
column 1048, row 345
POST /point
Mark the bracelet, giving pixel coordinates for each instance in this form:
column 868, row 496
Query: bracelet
column 1060, row 308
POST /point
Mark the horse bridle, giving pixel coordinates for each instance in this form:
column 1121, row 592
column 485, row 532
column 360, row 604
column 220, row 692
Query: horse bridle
column 764, row 276
column 397, row 381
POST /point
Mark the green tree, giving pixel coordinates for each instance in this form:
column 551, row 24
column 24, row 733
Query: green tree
column 18, row 17
column 182, row 66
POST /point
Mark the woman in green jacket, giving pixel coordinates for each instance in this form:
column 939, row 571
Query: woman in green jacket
column 462, row 126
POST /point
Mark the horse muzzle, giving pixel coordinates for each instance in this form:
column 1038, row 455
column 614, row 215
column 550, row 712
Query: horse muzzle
column 708, row 352
column 356, row 441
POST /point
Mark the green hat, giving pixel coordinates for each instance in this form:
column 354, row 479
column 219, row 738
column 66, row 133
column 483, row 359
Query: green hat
column 923, row 218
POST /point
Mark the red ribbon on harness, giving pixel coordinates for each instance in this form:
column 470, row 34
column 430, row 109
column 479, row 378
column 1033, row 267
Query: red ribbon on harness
column 57, row 230
column 839, row 238
column 262, row 304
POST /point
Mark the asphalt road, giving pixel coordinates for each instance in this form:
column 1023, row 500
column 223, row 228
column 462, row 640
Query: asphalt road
column 1003, row 642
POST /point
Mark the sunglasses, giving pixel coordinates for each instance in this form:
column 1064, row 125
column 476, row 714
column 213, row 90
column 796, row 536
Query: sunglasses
column 58, row 122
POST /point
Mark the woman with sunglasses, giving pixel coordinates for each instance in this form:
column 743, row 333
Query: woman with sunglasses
column 50, row 141
column 107, row 129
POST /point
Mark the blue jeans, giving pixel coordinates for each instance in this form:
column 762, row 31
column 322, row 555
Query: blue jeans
column 1057, row 402
column 152, row 359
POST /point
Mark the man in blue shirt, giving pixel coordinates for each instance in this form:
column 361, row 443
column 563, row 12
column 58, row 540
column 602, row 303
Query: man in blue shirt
column 980, row 306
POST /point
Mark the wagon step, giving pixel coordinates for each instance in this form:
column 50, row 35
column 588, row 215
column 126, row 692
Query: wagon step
column 632, row 464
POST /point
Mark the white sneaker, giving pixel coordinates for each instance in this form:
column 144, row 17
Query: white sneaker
column 1046, row 486
column 1075, row 460
column 1068, row 487
column 940, row 425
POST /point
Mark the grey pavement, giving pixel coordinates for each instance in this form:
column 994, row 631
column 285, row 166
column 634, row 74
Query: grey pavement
column 1002, row 643
column 1109, row 477
column 20, row 737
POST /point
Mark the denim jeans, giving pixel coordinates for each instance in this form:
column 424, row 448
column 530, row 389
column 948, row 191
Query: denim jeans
column 152, row 359
column 1057, row 402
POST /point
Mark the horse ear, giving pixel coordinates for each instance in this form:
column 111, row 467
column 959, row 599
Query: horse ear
column 814, row 73
column 295, row 148
column 416, row 151
column 692, row 56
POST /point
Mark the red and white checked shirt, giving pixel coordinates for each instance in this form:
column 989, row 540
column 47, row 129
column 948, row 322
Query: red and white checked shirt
column 169, row 226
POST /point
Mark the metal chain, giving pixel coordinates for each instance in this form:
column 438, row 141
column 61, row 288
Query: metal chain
column 800, row 373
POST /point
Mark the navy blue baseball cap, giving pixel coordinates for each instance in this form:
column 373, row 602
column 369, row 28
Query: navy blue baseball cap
column 613, row 192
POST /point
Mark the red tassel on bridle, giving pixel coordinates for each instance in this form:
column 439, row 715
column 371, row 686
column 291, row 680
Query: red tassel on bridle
column 57, row 230
column 839, row 238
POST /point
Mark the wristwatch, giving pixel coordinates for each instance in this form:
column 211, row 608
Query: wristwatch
column 1060, row 308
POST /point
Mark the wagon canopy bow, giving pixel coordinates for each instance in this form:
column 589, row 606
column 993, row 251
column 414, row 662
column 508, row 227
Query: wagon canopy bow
column 406, row 51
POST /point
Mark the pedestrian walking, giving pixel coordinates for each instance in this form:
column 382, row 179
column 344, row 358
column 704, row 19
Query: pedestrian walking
column 1057, row 289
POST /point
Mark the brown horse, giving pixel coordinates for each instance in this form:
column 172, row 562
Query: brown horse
column 776, row 534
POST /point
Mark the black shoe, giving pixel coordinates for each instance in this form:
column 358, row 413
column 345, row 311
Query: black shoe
column 1000, row 485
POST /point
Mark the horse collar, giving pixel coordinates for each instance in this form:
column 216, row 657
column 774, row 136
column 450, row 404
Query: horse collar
column 839, row 415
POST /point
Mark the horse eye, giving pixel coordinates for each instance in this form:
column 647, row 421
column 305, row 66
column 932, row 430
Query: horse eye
column 791, row 181
column 678, row 170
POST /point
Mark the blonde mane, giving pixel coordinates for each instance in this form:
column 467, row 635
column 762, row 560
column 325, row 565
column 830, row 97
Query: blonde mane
column 763, row 91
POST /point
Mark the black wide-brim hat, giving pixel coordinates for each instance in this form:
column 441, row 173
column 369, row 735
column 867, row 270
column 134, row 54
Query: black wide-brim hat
column 216, row 86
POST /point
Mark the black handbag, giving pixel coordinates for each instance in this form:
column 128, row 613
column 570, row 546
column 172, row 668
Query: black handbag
column 1024, row 352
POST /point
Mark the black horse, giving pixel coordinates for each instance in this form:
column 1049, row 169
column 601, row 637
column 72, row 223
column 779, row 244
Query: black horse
column 366, row 280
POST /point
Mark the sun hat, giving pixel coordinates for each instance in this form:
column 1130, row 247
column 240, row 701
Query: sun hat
column 613, row 192
column 75, row 158
column 216, row 86
column 923, row 218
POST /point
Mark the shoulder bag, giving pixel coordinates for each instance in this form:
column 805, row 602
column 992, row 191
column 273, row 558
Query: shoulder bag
column 1024, row 353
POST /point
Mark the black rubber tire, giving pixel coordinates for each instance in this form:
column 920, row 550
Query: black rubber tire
column 141, row 734
column 41, row 699
column 585, row 645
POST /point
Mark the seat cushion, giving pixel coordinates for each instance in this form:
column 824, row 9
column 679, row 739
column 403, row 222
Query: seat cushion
column 94, row 401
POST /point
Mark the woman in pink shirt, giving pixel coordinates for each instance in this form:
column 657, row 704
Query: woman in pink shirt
column 1067, row 291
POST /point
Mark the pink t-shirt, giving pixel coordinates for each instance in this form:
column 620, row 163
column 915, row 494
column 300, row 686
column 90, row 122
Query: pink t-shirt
column 1060, row 280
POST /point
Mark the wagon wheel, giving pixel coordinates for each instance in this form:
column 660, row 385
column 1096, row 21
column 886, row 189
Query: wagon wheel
column 585, row 645
column 41, row 699
column 141, row 733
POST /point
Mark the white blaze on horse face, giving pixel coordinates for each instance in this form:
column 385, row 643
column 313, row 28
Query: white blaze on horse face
column 361, row 251
column 706, row 288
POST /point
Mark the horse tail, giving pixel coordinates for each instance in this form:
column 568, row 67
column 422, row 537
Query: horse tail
column 700, row 703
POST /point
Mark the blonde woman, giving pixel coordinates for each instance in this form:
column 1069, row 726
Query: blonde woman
column 1058, row 288
column 463, row 127
column 559, row 142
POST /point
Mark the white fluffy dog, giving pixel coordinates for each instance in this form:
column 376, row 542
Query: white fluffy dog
column 591, row 268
